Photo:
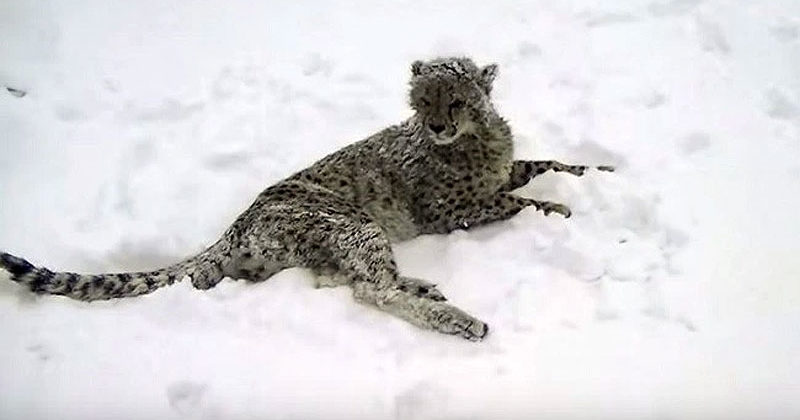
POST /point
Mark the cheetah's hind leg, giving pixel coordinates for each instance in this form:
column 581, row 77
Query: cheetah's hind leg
column 422, row 312
column 363, row 254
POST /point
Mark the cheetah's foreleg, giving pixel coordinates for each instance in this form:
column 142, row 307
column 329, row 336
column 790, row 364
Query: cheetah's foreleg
column 501, row 206
column 522, row 171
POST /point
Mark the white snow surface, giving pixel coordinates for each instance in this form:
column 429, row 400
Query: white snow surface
column 672, row 293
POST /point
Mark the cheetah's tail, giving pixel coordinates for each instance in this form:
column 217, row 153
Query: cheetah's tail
column 90, row 287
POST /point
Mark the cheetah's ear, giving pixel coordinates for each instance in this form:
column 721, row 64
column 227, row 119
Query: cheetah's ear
column 486, row 77
column 416, row 68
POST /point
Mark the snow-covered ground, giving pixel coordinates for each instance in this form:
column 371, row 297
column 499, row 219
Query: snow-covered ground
column 672, row 293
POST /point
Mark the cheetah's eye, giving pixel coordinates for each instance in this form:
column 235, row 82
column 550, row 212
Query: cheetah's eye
column 425, row 102
column 456, row 104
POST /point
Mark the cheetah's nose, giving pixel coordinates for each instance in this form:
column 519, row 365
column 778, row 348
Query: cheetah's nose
column 436, row 128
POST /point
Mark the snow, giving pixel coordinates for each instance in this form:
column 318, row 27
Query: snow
column 147, row 126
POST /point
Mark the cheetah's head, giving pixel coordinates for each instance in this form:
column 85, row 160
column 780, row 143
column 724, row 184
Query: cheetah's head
column 451, row 96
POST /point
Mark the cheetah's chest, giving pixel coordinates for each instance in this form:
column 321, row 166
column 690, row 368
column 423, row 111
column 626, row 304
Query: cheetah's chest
column 478, row 168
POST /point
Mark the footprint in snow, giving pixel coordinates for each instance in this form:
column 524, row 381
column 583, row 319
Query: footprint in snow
column 167, row 110
column 694, row 142
column 654, row 100
column 527, row 49
column 316, row 65
column 419, row 401
column 786, row 32
column 672, row 8
column 186, row 397
column 69, row 112
column 779, row 105
column 41, row 351
column 608, row 19
column 711, row 37
column 240, row 80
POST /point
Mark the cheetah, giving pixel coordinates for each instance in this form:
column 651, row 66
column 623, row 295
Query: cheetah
column 448, row 167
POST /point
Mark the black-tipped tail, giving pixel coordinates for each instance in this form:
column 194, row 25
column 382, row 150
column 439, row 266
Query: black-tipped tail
column 97, row 287
column 15, row 265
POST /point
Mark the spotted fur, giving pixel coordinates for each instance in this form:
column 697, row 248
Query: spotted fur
column 447, row 167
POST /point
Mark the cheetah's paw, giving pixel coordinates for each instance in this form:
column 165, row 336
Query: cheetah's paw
column 548, row 207
column 451, row 320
